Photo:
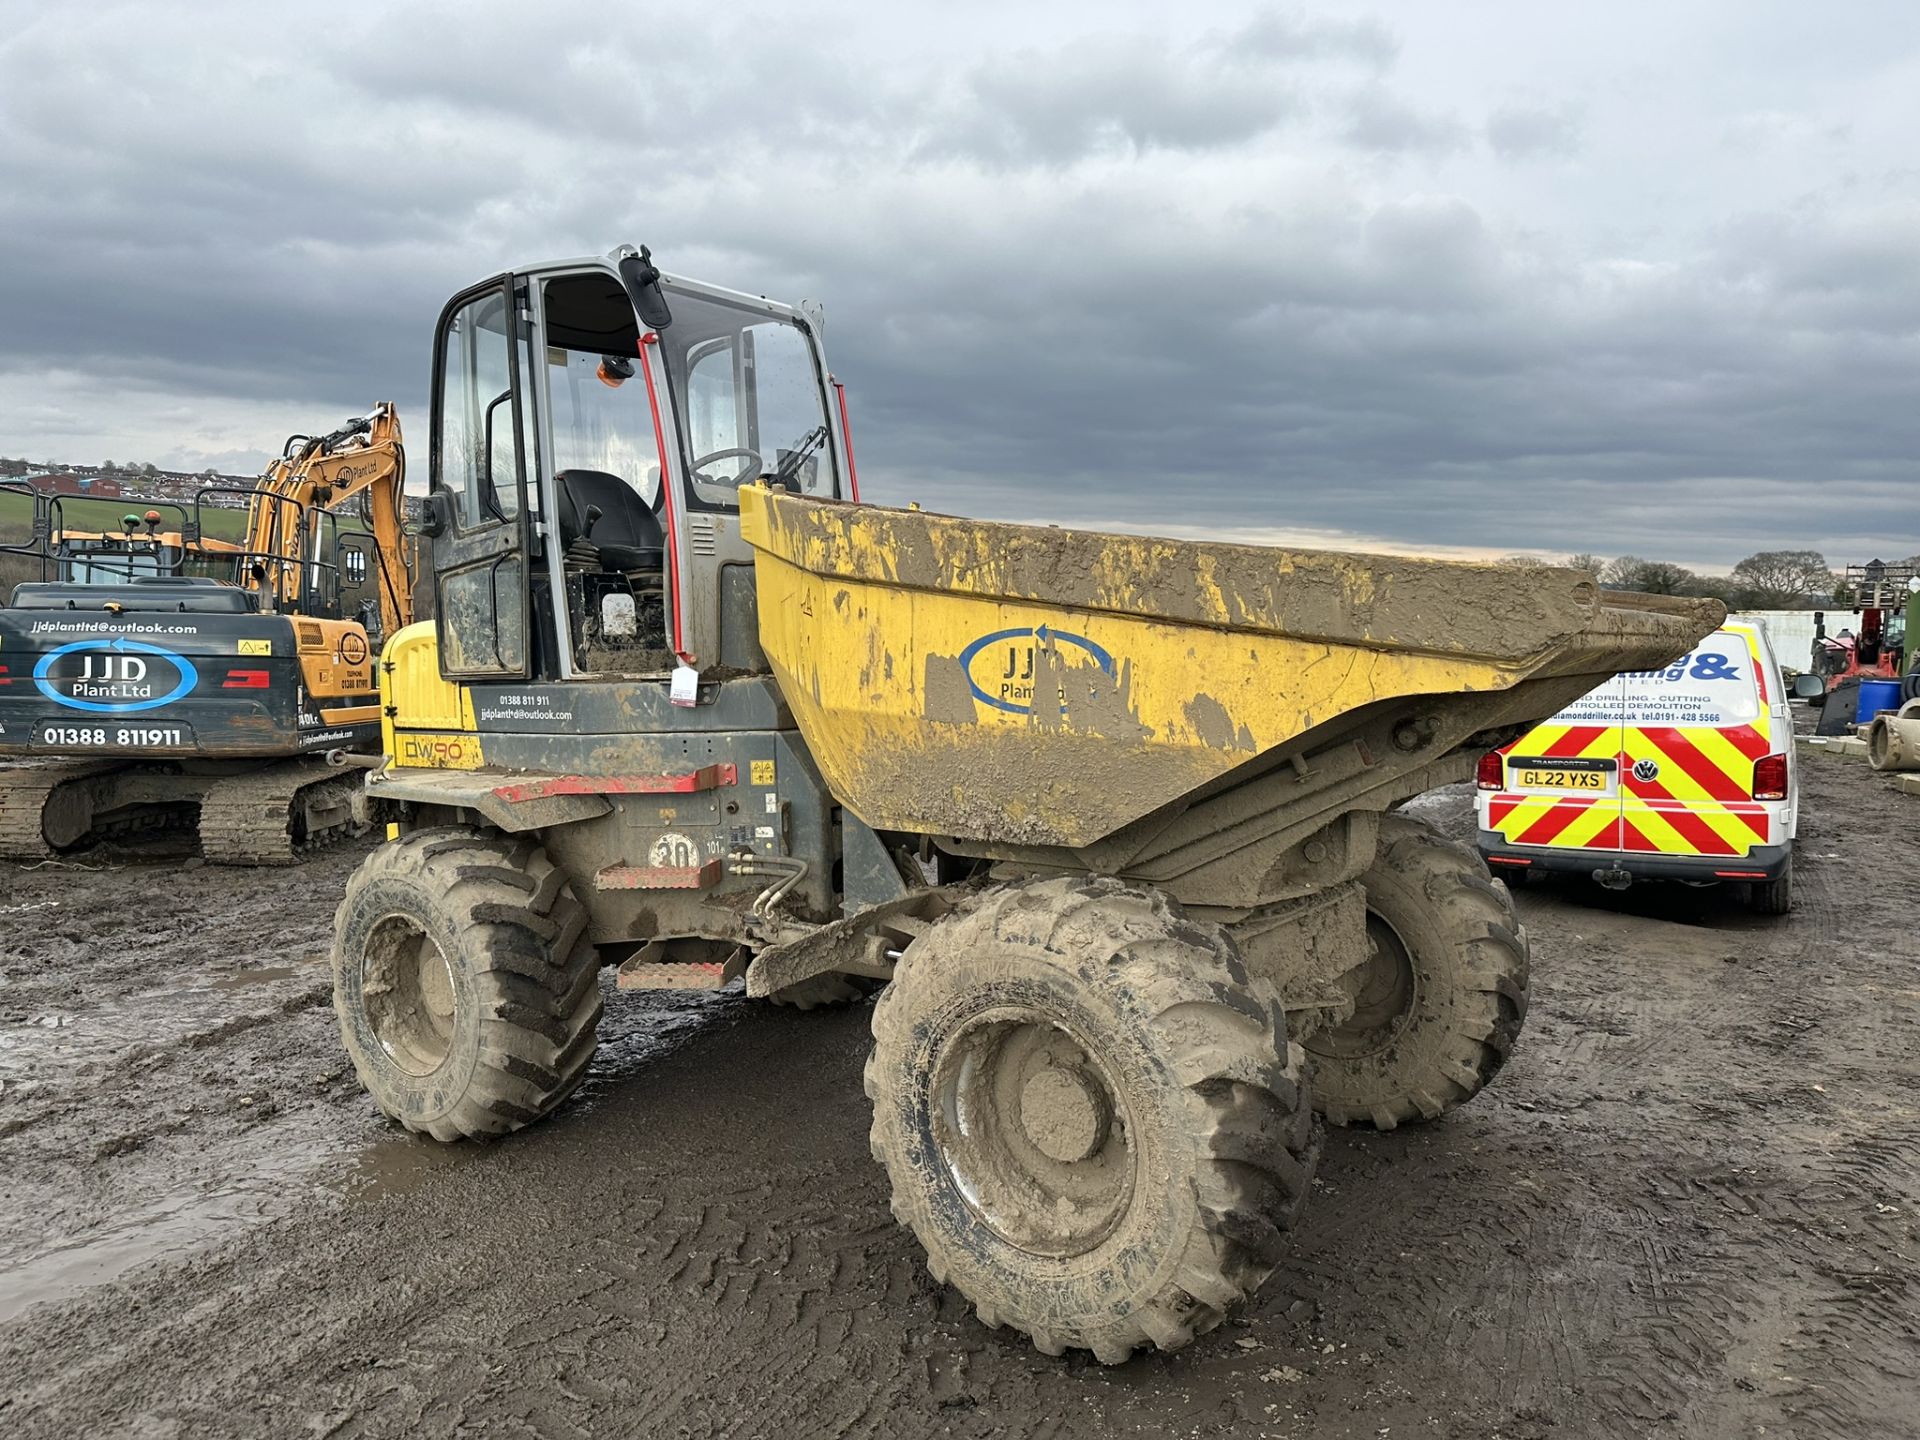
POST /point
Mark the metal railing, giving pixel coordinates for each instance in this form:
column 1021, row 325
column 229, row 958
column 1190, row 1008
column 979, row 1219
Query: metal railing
column 289, row 555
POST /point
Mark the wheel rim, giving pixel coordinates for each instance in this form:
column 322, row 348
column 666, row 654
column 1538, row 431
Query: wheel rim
column 406, row 985
column 1033, row 1132
column 1384, row 991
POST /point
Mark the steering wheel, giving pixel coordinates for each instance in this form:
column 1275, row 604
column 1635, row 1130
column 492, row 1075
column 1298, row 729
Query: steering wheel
column 756, row 466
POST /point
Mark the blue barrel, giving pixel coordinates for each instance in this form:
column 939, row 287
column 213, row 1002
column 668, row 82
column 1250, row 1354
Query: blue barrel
column 1875, row 696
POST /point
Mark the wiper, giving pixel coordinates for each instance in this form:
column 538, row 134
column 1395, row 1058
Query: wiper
column 795, row 458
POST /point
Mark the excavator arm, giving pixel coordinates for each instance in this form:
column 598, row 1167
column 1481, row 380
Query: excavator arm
column 325, row 472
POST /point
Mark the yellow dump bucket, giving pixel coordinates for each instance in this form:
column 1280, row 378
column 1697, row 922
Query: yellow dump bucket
column 1041, row 686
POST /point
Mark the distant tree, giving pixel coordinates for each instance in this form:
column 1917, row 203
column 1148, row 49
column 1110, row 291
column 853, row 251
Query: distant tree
column 1723, row 588
column 1653, row 577
column 1782, row 579
column 149, row 469
column 1592, row 564
column 1522, row 562
column 107, row 467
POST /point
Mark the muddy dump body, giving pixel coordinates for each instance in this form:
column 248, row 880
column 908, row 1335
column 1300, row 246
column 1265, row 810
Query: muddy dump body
column 1020, row 689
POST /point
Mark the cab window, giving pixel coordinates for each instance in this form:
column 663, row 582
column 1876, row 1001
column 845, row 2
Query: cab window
column 750, row 399
column 477, row 463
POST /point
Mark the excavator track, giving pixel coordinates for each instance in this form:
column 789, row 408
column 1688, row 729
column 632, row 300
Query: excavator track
column 28, row 792
column 280, row 814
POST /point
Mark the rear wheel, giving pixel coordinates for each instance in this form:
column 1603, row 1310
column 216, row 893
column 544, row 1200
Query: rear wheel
column 1775, row 896
column 1440, row 1002
column 1090, row 1115
column 466, row 990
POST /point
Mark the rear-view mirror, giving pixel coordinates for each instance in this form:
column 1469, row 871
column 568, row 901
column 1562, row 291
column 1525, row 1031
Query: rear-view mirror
column 1808, row 687
column 642, row 282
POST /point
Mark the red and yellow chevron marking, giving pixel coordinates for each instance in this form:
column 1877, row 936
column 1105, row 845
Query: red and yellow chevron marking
column 1699, row 803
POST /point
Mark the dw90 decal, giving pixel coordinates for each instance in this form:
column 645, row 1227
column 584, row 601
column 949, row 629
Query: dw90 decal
column 438, row 752
column 113, row 677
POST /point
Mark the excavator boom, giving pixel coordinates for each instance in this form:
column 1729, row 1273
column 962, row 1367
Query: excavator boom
column 325, row 473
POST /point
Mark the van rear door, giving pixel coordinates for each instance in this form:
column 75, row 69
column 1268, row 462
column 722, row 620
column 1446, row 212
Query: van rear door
column 1692, row 734
column 1562, row 778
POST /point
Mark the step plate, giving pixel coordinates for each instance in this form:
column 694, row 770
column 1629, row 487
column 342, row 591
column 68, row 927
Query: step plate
column 639, row 974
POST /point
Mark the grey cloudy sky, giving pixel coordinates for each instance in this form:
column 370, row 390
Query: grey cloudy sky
column 1480, row 277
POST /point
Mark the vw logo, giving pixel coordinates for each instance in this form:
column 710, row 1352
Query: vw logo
column 1646, row 770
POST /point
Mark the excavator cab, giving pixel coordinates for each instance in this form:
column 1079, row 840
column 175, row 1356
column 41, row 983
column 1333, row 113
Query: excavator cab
column 587, row 467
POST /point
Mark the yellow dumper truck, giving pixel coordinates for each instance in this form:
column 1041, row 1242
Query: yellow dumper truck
column 1111, row 819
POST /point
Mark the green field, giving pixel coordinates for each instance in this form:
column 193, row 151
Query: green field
column 16, row 517
column 16, row 528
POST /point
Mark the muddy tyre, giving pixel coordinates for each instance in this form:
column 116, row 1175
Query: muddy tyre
column 1090, row 1115
column 1441, row 1001
column 1775, row 896
column 466, row 990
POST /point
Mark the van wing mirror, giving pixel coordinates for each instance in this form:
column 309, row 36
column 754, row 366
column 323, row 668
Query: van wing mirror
column 1808, row 687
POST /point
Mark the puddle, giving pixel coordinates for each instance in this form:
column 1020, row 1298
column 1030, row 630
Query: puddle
column 396, row 1167
column 104, row 1027
column 256, row 1176
column 171, row 1227
column 311, row 1155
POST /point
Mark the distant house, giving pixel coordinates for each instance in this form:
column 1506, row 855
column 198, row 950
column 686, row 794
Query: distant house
column 99, row 487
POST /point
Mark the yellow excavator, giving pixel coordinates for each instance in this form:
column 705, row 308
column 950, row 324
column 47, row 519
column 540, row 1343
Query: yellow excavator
column 163, row 676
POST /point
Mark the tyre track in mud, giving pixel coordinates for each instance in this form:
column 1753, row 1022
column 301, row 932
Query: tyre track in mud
column 1688, row 1208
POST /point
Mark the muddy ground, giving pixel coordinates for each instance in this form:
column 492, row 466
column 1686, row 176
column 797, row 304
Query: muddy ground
column 1688, row 1208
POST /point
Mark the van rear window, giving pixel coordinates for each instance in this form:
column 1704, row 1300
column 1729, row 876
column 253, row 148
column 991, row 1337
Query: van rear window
column 1711, row 685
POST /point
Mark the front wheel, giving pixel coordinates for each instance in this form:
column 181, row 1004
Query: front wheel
column 1441, row 999
column 466, row 989
column 1090, row 1115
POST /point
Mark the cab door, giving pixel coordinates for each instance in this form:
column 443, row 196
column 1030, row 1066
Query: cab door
column 477, row 503
column 1561, row 780
column 1695, row 731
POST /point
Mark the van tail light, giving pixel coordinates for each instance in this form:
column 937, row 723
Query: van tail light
column 1491, row 773
column 1770, row 777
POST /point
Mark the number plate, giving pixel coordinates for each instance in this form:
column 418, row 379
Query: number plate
column 111, row 735
column 1579, row 777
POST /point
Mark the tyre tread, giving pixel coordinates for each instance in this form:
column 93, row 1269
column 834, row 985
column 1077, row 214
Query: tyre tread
column 1476, row 907
column 1253, row 1127
column 536, row 977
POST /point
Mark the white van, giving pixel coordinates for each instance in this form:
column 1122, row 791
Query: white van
column 1682, row 773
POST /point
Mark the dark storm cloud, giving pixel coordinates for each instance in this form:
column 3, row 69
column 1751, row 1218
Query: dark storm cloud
column 1241, row 273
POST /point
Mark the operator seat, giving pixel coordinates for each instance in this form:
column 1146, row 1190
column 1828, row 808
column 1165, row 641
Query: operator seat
column 627, row 534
